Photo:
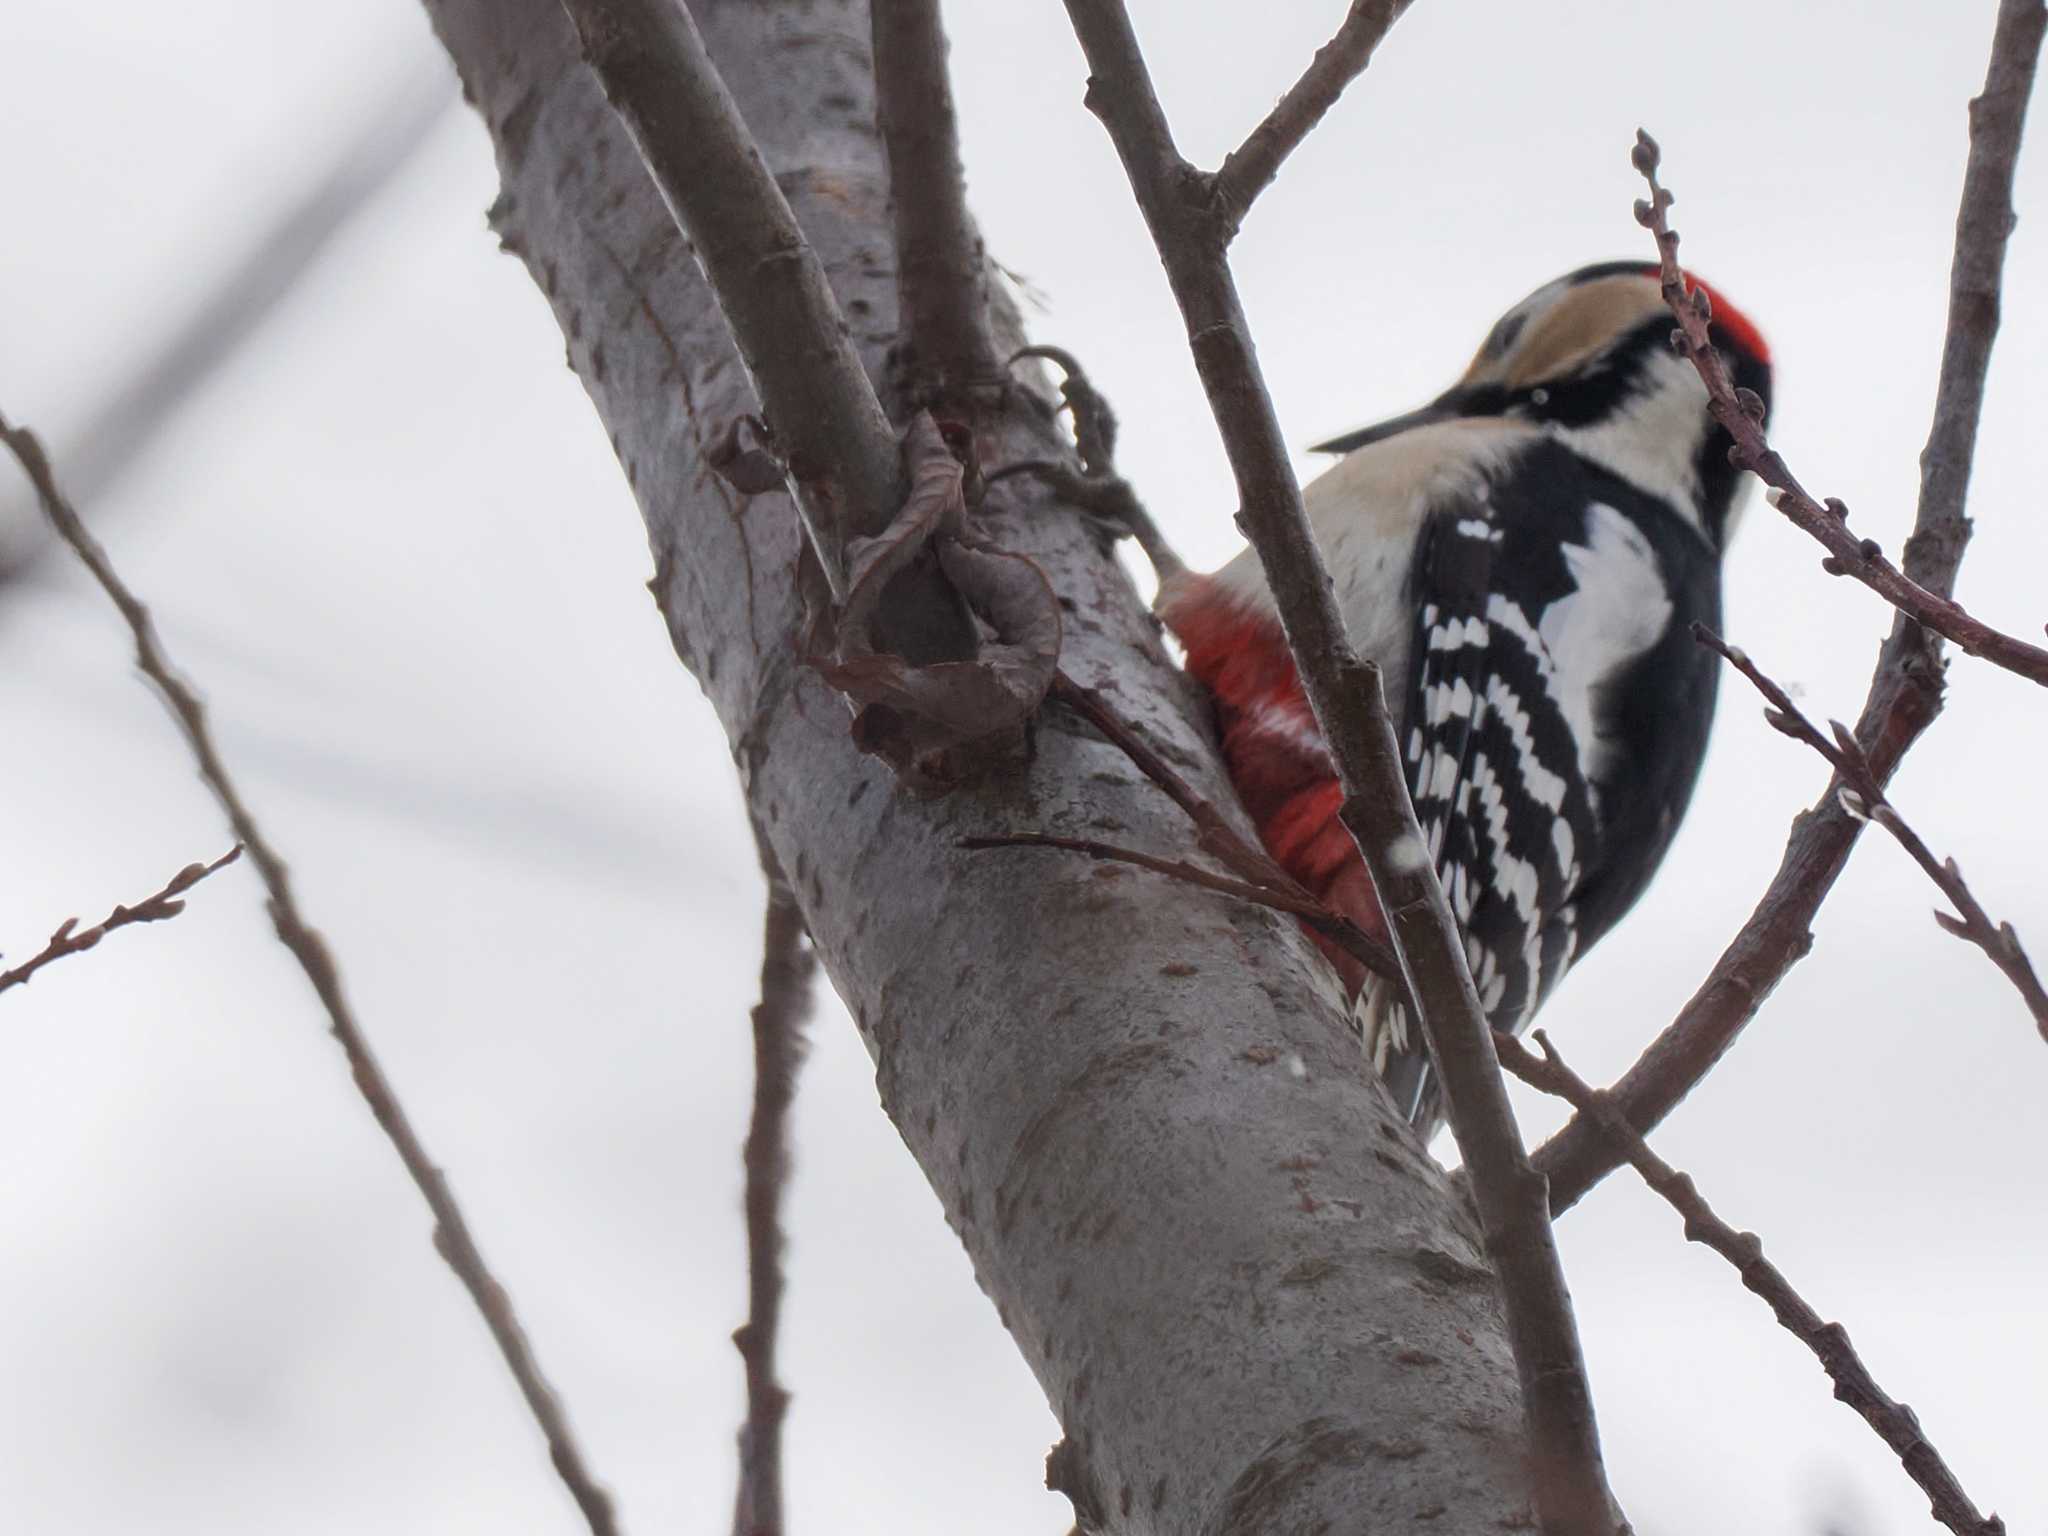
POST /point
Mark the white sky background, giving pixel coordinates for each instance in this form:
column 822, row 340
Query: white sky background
column 392, row 546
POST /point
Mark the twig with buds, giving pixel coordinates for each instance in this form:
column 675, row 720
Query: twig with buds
column 68, row 940
column 1863, row 797
column 778, row 1019
column 452, row 1237
column 1894, row 1422
column 1742, row 413
column 1905, row 689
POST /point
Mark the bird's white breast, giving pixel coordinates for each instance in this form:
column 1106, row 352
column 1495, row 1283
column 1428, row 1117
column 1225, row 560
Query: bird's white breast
column 1367, row 511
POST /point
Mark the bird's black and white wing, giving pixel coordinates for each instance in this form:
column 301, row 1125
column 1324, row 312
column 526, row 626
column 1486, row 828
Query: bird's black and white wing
column 1510, row 728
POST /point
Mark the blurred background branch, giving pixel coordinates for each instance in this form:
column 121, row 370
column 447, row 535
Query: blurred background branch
column 452, row 1237
column 147, row 390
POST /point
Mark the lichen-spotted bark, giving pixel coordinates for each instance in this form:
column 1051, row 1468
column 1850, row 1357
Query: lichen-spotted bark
column 1248, row 1295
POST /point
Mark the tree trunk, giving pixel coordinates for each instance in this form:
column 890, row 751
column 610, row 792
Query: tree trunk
column 1249, row 1295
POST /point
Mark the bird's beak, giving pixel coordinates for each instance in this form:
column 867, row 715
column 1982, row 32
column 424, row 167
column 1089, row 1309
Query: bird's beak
column 1447, row 406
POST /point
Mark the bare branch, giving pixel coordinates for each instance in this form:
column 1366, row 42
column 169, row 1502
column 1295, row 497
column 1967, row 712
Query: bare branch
column 941, row 270
column 1863, row 797
column 151, row 909
column 1250, row 168
column 829, row 426
column 1894, row 1422
column 1848, row 555
column 452, row 1237
column 786, row 971
column 1344, row 691
column 1905, row 690
column 1984, row 225
column 830, row 429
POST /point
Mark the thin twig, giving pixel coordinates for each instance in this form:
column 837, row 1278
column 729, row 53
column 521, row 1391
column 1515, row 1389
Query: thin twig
column 1894, row 1422
column 1250, row 168
column 941, row 269
column 1848, row 555
column 1863, row 797
column 1905, row 689
column 151, row 909
column 451, row 1230
column 1344, row 691
column 1333, row 925
column 1214, row 834
column 786, row 970
column 1259, row 879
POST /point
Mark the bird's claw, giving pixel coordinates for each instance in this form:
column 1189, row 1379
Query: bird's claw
column 1096, row 489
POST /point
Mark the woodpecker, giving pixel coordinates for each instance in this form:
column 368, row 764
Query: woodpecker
column 1524, row 557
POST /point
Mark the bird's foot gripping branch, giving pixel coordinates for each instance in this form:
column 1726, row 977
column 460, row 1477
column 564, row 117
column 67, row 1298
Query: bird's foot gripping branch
column 1095, row 487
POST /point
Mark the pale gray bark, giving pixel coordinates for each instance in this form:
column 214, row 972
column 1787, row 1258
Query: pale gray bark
column 1250, row 1298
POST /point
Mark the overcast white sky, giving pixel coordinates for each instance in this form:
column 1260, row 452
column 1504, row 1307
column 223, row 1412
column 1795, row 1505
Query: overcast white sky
column 393, row 547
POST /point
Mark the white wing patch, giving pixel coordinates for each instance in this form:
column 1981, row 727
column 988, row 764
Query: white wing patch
column 1620, row 610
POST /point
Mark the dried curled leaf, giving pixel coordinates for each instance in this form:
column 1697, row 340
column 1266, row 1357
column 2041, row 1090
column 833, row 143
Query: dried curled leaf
column 936, row 503
column 933, row 722
column 744, row 459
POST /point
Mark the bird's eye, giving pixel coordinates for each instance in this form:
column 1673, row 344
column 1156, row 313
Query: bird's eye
column 1539, row 396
